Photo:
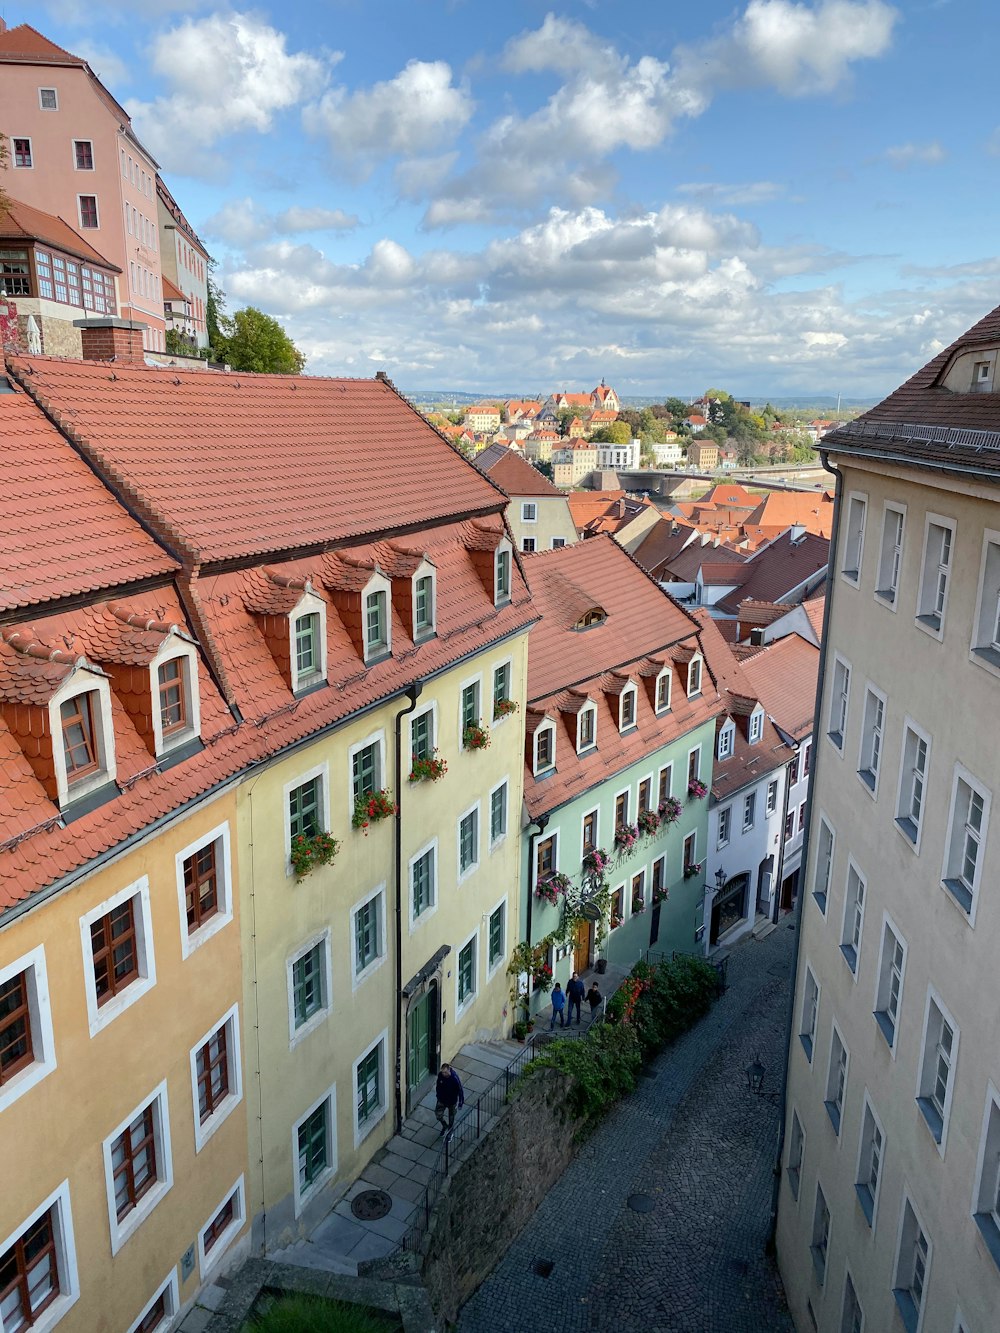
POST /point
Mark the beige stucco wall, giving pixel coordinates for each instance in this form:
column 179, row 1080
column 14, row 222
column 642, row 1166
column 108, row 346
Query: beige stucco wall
column 281, row 915
column 553, row 519
column 956, row 702
column 55, row 1130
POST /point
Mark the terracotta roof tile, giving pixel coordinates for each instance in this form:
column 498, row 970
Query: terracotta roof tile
column 64, row 534
column 19, row 221
column 776, row 570
column 515, row 474
column 783, row 676
column 23, row 42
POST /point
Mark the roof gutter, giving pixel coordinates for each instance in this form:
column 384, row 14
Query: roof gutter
column 907, row 460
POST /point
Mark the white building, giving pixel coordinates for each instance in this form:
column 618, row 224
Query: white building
column 668, row 454
column 619, row 457
column 889, row 1198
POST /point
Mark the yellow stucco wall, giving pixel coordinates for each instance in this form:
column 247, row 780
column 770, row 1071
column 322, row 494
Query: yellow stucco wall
column 54, row 1132
column 282, row 915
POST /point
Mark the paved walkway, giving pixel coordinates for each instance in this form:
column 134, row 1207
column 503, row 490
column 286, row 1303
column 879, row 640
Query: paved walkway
column 700, row 1147
column 402, row 1168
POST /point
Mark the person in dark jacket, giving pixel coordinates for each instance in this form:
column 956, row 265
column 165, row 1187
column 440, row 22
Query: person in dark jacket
column 575, row 991
column 558, row 1005
column 594, row 998
column 449, row 1094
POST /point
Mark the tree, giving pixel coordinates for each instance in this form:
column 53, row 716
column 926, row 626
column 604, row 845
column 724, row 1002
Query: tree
column 565, row 417
column 254, row 341
column 215, row 313
column 619, row 432
column 677, row 408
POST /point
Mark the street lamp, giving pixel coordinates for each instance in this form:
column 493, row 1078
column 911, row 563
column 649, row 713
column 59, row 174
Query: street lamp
column 720, row 877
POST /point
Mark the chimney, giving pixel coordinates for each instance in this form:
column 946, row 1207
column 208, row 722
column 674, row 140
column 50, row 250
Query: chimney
column 757, row 637
column 112, row 339
column 797, row 533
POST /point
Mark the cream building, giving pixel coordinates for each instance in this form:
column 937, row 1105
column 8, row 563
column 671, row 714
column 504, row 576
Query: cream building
column 538, row 514
column 889, row 1199
column 574, row 462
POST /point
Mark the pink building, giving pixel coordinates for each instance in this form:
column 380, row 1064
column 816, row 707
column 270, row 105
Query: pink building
column 73, row 154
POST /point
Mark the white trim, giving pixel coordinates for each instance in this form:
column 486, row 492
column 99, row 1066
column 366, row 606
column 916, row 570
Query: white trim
column 377, row 583
column 631, row 689
column 498, row 666
column 910, row 725
column 321, row 771
column 727, row 734
column 93, row 155
column 296, row 1034
column 100, row 1016
column 84, row 679
column 755, row 726
column 872, row 689
column 992, row 1100
column 889, row 924
column 595, row 810
column 961, row 773
column 546, row 724
column 87, row 194
column 852, row 865
column 309, row 604
column 191, row 940
column 588, row 707
column 134, row 1218
column 425, row 570
column 431, row 708
column 687, row 772
column 533, row 506
column 796, row 1120
column 361, row 1132
column 377, row 738
column 809, row 975
column 13, row 163
column 461, row 1006
column 303, row 1199
column 839, row 660
column 493, row 968
column 432, row 846
column 721, row 841
column 693, row 694
column 951, row 524
column 934, row 996
column 42, row 107
column 207, row 1262
column 668, row 673
column 494, row 843
column 907, row 1202
column 176, row 648
column 462, row 875
column 40, row 1016
column 503, row 547
column 358, row 977
column 979, row 649
column 204, row 1131
column 861, row 497
column 890, row 507
column 69, row 1280
column 463, row 685
column 837, row 1037
column 869, row 1105
column 170, row 1286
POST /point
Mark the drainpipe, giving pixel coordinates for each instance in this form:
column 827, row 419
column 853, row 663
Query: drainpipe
column 816, row 760
column 541, row 824
column 413, row 693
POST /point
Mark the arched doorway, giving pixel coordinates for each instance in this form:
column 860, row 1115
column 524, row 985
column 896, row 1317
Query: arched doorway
column 730, row 906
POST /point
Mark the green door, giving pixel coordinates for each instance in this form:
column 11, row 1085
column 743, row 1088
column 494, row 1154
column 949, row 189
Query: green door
column 419, row 1040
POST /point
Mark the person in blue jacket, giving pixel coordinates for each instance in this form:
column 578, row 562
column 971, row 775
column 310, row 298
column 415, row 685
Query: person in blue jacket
column 449, row 1095
column 558, row 1005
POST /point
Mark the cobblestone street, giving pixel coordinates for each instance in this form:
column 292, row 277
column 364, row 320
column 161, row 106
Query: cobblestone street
column 700, row 1146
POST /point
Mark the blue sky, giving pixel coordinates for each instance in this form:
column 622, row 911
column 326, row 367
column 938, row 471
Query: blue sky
column 776, row 197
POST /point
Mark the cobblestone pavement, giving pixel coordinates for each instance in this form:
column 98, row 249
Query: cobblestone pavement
column 700, row 1146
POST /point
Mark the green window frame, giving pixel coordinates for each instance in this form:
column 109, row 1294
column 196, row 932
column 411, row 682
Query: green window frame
column 503, row 575
column 501, row 686
column 467, row 971
column 307, row 654
column 496, row 936
column 367, row 938
column 470, row 705
column 313, row 1147
column 369, row 1085
column 365, row 770
column 376, row 639
column 423, row 882
column 304, row 812
column 422, row 735
column 308, row 984
column 498, row 813
column 467, row 841
column 423, row 605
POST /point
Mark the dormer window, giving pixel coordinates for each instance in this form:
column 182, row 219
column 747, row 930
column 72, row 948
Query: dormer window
column 586, row 728
column 982, row 376
column 83, row 749
column 756, row 729
column 545, row 749
column 376, row 624
column 307, row 646
column 80, row 748
column 727, row 740
column 424, row 610
column 595, row 616
column 627, row 708
column 663, row 684
column 501, row 575
column 694, row 677
column 173, row 680
column 173, row 696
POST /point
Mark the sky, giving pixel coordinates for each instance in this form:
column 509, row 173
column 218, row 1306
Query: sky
column 775, row 198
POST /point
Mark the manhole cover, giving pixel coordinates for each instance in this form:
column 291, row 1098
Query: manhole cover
column 641, row 1203
column 370, row 1205
column 543, row 1267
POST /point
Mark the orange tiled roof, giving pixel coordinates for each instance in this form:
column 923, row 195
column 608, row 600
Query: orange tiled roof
column 779, row 569
column 783, row 509
column 64, row 534
column 236, row 465
column 171, row 292
column 19, row 221
column 514, row 473
column 26, row 44
column 644, row 632
column 783, row 676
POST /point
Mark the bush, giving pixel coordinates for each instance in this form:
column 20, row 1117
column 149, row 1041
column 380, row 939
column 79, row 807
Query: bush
column 313, row 1314
column 603, row 1066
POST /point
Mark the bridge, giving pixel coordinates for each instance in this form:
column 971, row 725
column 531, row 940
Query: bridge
column 680, row 485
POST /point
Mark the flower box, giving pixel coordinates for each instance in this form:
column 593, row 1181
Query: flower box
column 428, row 769
column 648, row 821
column 692, row 870
column 542, row 978
column 372, row 809
column 697, row 789
column 626, row 836
column 669, row 810
column 476, row 737
column 638, row 904
column 596, row 862
column 660, row 896
column 306, row 853
column 549, row 887
column 504, row 708
column 615, row 922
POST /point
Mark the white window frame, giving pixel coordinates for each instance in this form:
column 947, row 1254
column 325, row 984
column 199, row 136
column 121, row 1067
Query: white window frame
column 727, row 740
column 231, row 1020
column 40, row 1017
column 983, row 648
column 462, row 875
column 169, row 1287
column 376, row 652
column 771, row 803
column 862, row 1171
column 93, row 157
column 302, row 1198
column 890, row 559
column 807, row 1036
column 580, row 747
column 297, row 1034
column 464, row 685
column 851, row 924
column 821, row 1262
column 376, row 738
column 904, row 821
column 846, row 1318
column 503, row 548
column 870, row 760
column 793, row 1165
column 822, row 895
column 223, row 914
column 547, row 724
column 507, row 662
column 66, row 1267
column 855, row 520
column 897, row 1272
column 503, row 785
column 493, row 968
column 130, row 1223
column 308, row 605
column 461, row 1006
column 98, row 1017
column 694, row 689
column 176, row 649
column 749, row 811
column 41, row 104
column 431, row 708
column 926, row 1069
column 889, row 1026
column 417, row 921
column 924, row 618
column 725, row 827
column 527, row 517
column 623, row 726
column 667, row 675
column 11, row 159
column 755, row 727
column 425, row 570
column 321, row 771
column 697, row 772
column 835, row 1103
column 841, row 699
column 83, row 681
column 987, row 1179
column 962, row 774
column 210, row 1261
column 87, row 194
column 358, row 977
column 361, row 1131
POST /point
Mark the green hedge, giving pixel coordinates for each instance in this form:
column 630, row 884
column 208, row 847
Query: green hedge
column 653, row 1005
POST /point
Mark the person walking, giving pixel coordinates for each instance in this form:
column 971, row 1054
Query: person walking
column 594, row 998
column 449, row 1094
column 558, row 1005
column 575, row 991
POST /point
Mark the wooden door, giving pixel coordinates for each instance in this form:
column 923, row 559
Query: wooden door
column 419, row 1040
column 581, row 945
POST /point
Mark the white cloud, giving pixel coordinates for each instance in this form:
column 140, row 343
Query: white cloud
column 751, row 192
column 109, row 68
column 242, row 222
column 916, row 154
column 419, row 110
column 226, row 73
